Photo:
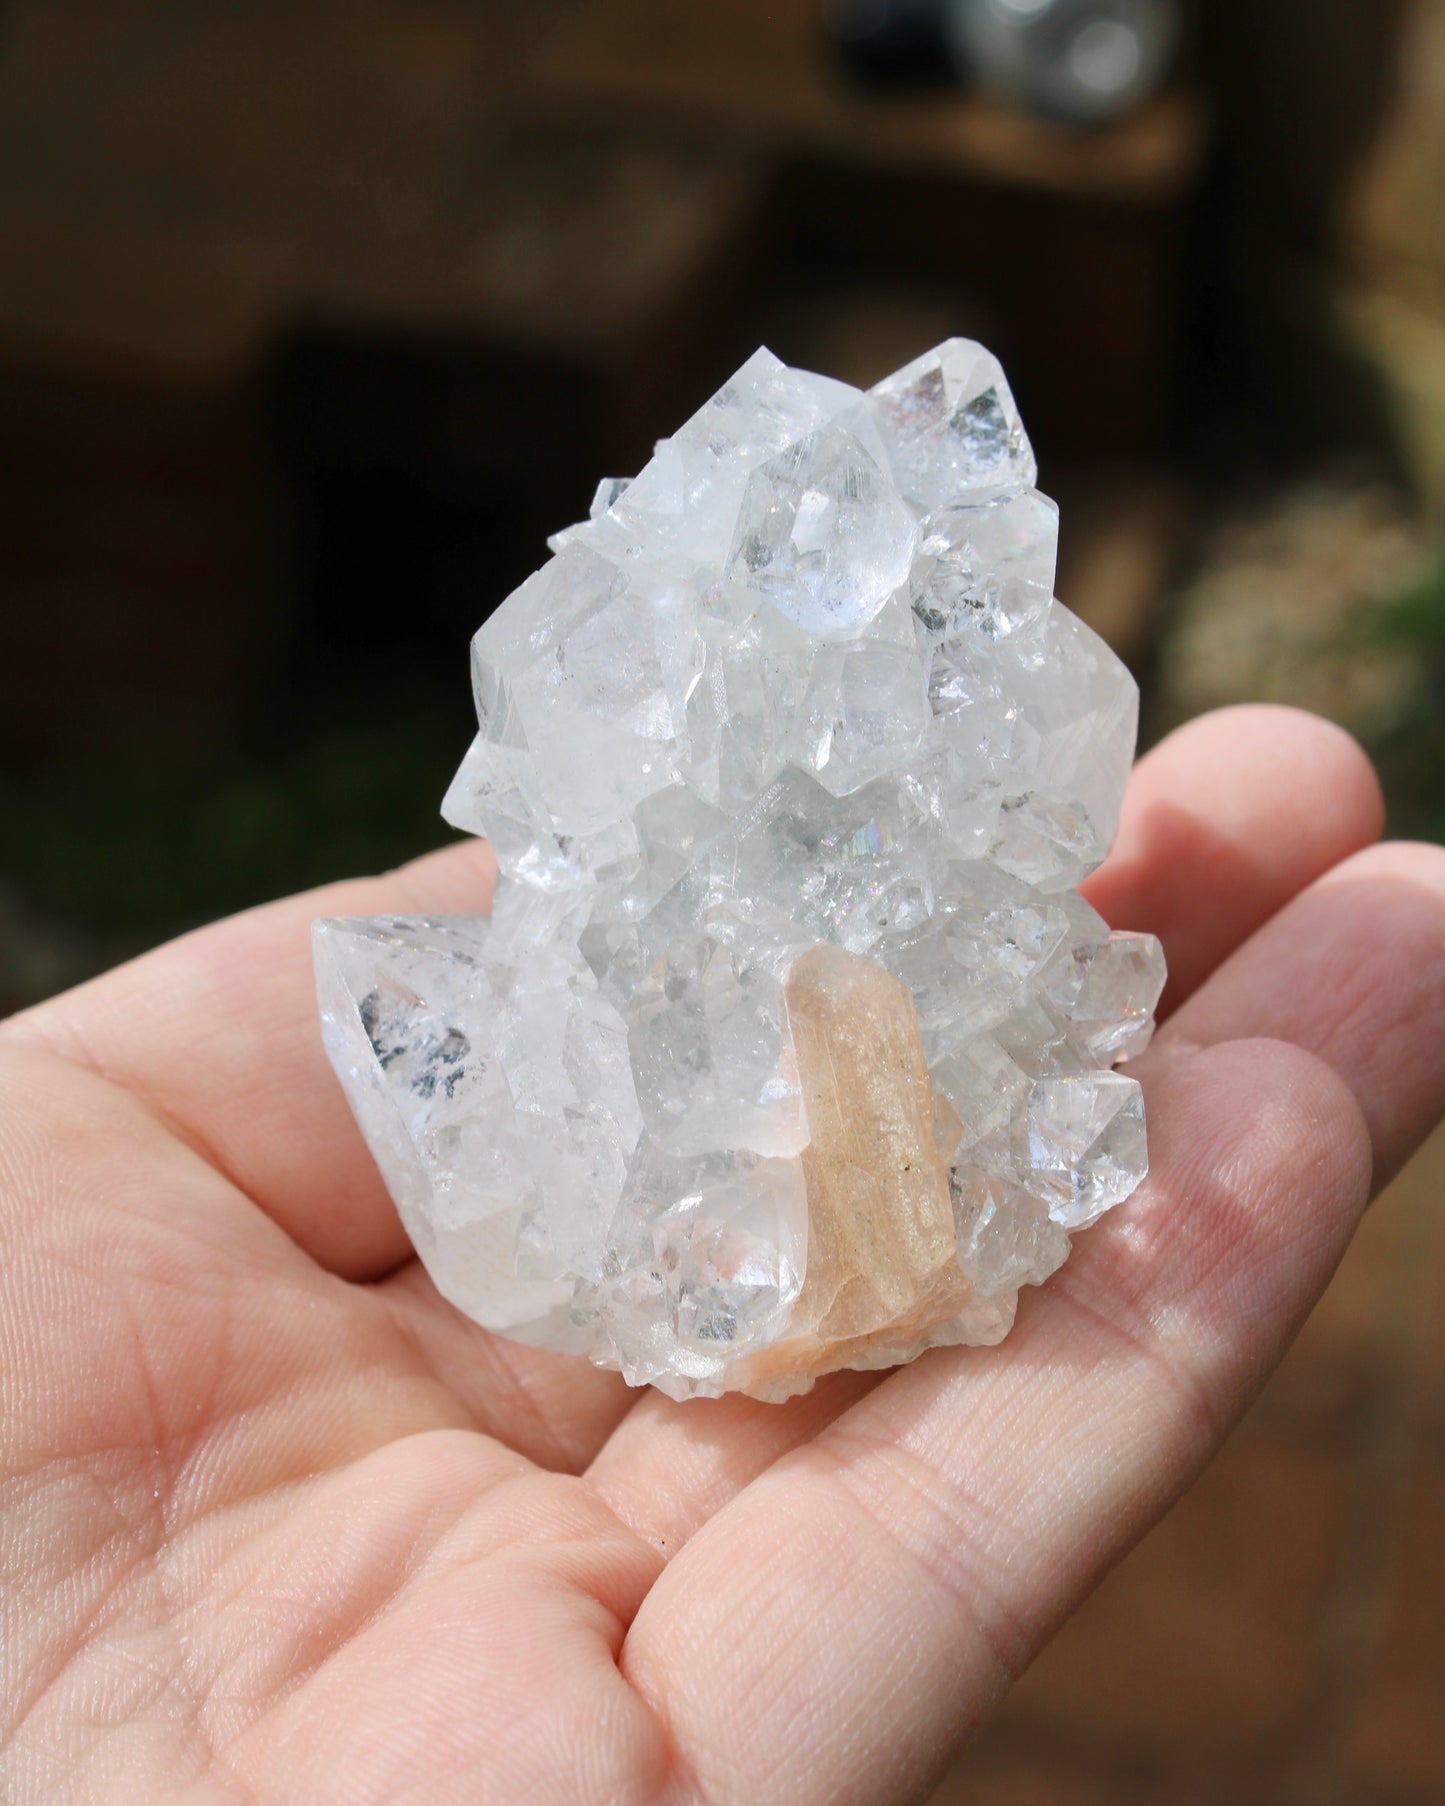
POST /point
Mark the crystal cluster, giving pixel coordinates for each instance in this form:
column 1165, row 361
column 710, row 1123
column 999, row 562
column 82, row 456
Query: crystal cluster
column 788, row 1044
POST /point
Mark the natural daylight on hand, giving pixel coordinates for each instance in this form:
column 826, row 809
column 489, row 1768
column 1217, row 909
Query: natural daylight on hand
column 280, row 1523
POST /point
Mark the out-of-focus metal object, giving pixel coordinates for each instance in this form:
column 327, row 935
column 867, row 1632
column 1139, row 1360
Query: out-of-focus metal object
column 1079, row 60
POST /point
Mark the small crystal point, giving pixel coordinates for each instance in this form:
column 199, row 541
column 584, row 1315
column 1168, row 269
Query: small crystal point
column 788, row 1044
column 705, row 1257
column 823, row 536
column 951, row 427
column 1085, row 1144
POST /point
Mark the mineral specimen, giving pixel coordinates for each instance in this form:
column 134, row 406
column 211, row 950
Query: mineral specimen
column 787, row 1044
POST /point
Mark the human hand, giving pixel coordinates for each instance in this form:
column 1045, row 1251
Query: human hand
column 277, row 1523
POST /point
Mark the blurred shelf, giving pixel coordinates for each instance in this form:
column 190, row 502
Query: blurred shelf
column 542, row 262
column 180, row 185
column 760, row 71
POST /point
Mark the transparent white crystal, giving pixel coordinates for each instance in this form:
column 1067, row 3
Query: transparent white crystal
column 704, row 1258
column 864, row 704
column 1006, row 1237
column 1109, row 993
column 987, row 566
column 814, row 867
column 708, row 1042
column 788, row 1042
column 1085, row 1144
column 823, row 535
column 587, row 680
column 951, row 429
column 493, row 1088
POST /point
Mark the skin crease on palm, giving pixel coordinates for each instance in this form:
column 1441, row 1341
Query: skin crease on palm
column 276, row 1524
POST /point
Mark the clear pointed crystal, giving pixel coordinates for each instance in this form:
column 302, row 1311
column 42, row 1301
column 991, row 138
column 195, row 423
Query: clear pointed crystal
column 1086, row 1148
column 986, row 566
column 822, row 535
column 951, row 428
column 1112, row 1005
column 1006, row 1237
column 704, row 1257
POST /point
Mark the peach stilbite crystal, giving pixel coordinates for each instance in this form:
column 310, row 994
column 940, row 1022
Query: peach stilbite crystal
column 882, row 1249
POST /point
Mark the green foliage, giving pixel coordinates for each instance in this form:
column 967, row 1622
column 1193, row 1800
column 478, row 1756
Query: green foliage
column 1411, row 754
column 134, row 846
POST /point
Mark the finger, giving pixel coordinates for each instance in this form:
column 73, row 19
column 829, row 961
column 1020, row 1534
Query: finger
column 670, row 1467
column 552, row 1408
column 1223, row 822
column 1354, row 970
column 218, row 1031
column 834, row 1632
column 146, row 1307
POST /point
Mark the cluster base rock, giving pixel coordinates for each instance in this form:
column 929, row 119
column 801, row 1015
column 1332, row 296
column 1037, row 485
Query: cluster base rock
column 789, row 1043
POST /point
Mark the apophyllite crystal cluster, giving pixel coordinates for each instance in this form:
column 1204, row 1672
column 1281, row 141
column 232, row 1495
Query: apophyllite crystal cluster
column 787, row 1044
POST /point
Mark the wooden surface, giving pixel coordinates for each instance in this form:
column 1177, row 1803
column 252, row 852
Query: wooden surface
column 1276, row 1640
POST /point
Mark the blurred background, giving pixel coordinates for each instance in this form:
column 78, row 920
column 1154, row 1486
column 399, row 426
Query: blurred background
column 316, row 318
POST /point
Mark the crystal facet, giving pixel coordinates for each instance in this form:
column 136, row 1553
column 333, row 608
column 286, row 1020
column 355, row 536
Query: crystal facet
column 788, row 1042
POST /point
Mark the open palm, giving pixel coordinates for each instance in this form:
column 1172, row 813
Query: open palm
column 276, row 1523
